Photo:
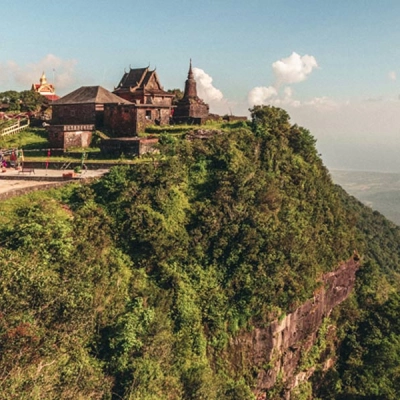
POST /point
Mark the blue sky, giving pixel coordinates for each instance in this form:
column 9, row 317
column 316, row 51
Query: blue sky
column 334, row 66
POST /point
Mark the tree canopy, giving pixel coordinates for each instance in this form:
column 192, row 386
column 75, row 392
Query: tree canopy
column 27, row 100
column 133, row 286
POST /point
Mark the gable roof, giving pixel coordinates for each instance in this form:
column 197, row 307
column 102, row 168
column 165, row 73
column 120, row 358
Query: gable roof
column 134, row 77
column 90, row 95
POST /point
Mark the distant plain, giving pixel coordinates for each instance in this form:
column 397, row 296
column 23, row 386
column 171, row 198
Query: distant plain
column 378, row 190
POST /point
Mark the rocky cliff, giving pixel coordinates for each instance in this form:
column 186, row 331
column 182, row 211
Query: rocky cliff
column 279, row 351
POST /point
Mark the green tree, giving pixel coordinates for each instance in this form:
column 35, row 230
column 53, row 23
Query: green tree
column 12, row 98
column 32, row 101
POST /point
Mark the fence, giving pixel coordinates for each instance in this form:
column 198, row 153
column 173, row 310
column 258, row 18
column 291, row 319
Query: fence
column 19, row 126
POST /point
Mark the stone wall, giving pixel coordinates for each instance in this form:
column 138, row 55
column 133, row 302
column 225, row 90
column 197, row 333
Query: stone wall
column 129, row 120
column 131, row 147
column 26, row 190
column 69, row 136
column 120, row 120
column 70, row 114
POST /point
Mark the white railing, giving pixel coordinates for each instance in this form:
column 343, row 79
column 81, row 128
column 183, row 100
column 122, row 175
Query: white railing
column 19, row 126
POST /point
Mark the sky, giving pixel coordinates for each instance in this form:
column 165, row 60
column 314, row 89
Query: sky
column 334, row 66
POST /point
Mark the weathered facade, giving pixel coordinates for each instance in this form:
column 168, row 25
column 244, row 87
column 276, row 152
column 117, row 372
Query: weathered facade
column 78, row 114
column 84, row 106
column 191, row 109
column 131, row 119
column 152, row 105
column 67, row 136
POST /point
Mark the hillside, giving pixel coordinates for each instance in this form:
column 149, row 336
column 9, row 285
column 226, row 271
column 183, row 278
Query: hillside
column 142, row 284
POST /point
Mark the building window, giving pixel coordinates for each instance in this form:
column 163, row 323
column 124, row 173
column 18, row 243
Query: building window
column 148, row 114
column 72, row 113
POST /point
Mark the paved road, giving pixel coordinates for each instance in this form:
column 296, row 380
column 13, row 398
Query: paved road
column 13, row 180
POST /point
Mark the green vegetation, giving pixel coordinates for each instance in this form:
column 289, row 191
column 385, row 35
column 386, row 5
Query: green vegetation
column 27, row 100
column 28, row 139
column 369, row 355
column 133, row 286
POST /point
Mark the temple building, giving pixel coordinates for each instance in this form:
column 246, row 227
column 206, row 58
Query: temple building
column 153, row 105
column 45, row 89
column 78, row 114
column 191, row 109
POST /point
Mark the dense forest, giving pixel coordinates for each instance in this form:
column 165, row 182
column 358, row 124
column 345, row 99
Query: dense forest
column 132, row 286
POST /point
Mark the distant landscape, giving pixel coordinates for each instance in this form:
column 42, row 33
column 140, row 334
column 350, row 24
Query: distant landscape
column 378, row 190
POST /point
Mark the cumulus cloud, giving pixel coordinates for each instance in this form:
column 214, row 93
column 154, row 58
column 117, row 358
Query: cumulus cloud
column 260, row 95
column 210, row 94
column 392, row 75
column 293, row 69
column 290, row 70
column 205, row 87
column 21, row 77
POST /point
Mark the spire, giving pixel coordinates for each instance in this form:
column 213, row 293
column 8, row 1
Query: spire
column 190, row 73
column 190, row 85
column 43, row 79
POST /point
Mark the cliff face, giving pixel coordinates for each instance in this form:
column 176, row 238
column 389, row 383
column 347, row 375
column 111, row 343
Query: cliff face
column 277, row 350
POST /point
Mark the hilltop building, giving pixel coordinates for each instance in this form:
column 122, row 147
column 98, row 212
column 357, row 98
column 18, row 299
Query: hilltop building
column 45, row 89
column 78, row 114
column 84, row 106
column 191, row 109
column 152, row 104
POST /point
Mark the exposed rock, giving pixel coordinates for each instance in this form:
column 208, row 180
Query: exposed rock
column 276, row 350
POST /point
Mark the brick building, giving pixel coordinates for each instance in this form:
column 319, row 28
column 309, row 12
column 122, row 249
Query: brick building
column 84, row 106
column 152, row 104
column 78, row 114
column 191, row 109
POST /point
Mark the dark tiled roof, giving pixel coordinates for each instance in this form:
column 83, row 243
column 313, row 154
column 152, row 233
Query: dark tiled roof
column 89, row 95
column 134, row 77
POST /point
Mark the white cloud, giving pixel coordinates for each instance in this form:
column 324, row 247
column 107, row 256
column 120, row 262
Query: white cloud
column 260, row 95
column 392, row 75
column 211, row 95
column 21, row 77
column 293, row 69
column 205, row 87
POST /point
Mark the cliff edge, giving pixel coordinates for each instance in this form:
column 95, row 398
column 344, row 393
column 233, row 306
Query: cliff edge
column 278, row 350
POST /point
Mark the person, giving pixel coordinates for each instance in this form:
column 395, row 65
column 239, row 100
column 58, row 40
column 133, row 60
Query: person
column 13, row 159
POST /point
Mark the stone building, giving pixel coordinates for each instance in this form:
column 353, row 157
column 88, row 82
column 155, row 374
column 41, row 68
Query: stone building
column 84, row 106
column 45, row 89
column 191, row 109
column 78, row 114
column 152, row 105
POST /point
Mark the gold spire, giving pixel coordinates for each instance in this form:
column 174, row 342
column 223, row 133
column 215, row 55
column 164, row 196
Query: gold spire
column 43, row 79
